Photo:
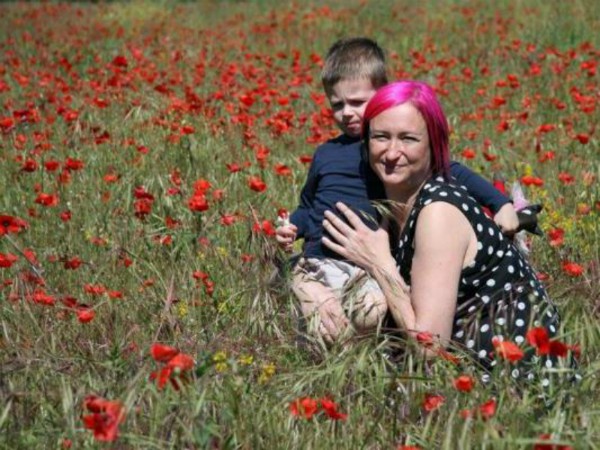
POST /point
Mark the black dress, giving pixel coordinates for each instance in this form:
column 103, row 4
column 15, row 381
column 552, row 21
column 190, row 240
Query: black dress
column 499, row 295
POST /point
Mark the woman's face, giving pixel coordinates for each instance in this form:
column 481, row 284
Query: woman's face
column 399, row 150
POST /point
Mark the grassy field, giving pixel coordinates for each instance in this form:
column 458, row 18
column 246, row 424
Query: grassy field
column 146, row 149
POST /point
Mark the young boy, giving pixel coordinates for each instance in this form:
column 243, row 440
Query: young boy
column 330, row 289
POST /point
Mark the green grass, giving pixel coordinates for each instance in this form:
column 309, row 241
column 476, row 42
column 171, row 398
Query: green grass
column 188, row 64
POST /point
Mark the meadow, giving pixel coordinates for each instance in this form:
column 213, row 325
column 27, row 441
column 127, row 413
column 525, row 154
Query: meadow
column 146, row 150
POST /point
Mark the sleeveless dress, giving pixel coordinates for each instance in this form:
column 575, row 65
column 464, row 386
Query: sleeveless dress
column 499, row 295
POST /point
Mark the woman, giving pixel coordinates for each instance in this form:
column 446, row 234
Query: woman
column 448, row 271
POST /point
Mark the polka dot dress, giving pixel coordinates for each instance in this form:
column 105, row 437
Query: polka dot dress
column 499, row 295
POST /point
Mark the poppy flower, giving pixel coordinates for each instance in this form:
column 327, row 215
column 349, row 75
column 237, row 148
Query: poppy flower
column 85, row 315
column 256, row 184
column 198, row 203
column 105, row 417
column 431, row 402
column 572, row 269
column 545, row 443
column 331, row 409
column 507, row 350
column 556, row 236
column 47, row 199
column 464, row 383
column 488, row 409
column 10, row 224
column 7, row 260
column 304, row 407
column 162, row 353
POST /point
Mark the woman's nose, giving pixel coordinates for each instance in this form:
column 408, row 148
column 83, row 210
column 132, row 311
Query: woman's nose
column 395, row 149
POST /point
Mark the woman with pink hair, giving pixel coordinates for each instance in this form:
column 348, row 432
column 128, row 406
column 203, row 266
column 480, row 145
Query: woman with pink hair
column 445, row 268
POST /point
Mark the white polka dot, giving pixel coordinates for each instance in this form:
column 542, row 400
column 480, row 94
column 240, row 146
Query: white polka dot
column 482, row 353
column 521, row 306
column 485, row 378
column 427, row 186
column 443, row 194
column 530, row 376
column 510, row 269
column 509, row 253
column 519, row 339
column 472, row 308
column 552, row 328
column 485, row 299
column 459, row 334
column 545, row 382
column 465, row 207
column 479, row 227
column 479, row 246
column 507, row 287
column 536, row 323
column 484, row 328
column 499, row 253
column 491, row 282
column 549, row 363
column 495, row 268
column 475, row 283
column 493, row 363
column 519, row 322
column 500, row 321
column 483, row 267
column 427, row 202
column 490, row 250
column 477, row 211
column 520, row 289
column 470, row 343
column 515, row 373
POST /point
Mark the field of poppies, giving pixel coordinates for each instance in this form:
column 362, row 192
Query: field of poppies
column 146, row 150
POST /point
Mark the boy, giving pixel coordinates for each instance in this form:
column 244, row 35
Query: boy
column 334, row 291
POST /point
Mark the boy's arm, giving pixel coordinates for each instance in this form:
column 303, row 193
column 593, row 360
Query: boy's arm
column 479, row 188
column 300, row 216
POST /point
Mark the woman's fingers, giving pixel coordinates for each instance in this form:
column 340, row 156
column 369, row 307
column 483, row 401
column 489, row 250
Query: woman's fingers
column 353, row 219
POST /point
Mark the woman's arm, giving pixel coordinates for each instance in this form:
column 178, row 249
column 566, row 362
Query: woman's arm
column 437, row 263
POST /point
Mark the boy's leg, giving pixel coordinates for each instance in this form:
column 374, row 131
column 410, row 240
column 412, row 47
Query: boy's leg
column 364, row 302
column 320, row 304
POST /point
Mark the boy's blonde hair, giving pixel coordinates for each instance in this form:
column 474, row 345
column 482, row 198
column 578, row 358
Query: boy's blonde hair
column 354, row 58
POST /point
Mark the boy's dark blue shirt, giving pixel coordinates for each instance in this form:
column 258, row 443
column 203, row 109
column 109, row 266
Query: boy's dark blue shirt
column 337, row 174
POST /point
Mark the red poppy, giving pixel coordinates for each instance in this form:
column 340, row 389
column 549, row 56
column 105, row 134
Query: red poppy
column 468, row 153
column 105, row 417
column 304, row 407
column 488, row 409
column 464, row 383
column 538, row 338
column 10, row 224
column 256, row 184
column 162, row 353
column 85, row 315
column 572, row 269
column 7, row 260
column 282, row 170
column 181, row 361
column 47, row 199
column 331, row 410
column 544, row 443
column 507, row 350
column 431, row 402
column 556, row 236
column 198, row 203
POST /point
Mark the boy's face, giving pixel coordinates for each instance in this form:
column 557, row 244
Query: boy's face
column 348, row 100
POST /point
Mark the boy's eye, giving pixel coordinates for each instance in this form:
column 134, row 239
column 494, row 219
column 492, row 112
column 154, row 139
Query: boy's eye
column 337, row 105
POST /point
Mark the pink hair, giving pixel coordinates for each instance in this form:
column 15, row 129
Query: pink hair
column 423, row 98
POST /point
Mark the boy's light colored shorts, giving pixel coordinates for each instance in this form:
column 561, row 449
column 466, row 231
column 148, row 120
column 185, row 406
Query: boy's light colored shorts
column 335, row 274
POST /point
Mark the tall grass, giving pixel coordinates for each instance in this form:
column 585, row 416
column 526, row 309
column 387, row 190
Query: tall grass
column 243, row 76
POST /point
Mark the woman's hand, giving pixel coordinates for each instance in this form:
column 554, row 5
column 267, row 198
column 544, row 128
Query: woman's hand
column 355, row 241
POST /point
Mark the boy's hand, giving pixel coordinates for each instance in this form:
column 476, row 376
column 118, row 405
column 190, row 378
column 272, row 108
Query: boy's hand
column 285, row 236
column 506, row 218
